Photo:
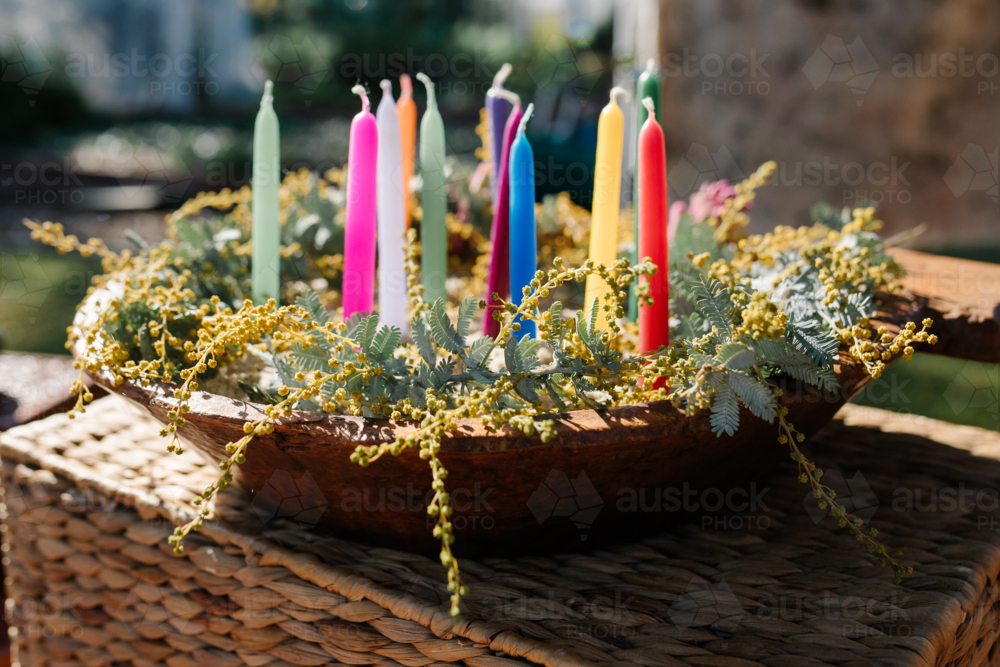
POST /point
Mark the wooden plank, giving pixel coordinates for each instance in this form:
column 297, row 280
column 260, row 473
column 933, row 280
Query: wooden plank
column 963, row 299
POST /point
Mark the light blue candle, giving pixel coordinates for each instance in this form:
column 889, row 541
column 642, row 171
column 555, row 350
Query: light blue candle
column 523, row 244
column 266, row 227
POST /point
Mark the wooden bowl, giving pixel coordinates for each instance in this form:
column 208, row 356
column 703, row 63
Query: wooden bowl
column 609, row 475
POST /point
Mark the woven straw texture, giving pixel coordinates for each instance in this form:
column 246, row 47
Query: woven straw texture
column 91, row 501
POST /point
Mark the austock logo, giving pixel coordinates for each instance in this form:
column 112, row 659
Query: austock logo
column 558, row 496
column 41, row 619
column 146, row 168
column 285, row 497
column 975, row 170
column 836, row 62
column 23, row 494
column 25, row 64
column 297, row 62
column 977, row 386
column 167, row 74
column 561, row 63
column 737, row 508
column 855, row 494
column 699, row 165
column 47, row 183
column 736, row 74
column 703, row 604
column 875, row 182
column 23, row 281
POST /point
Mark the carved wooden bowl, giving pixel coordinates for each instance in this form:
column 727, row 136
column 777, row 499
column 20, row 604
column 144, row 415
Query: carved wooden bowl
column 609, row 475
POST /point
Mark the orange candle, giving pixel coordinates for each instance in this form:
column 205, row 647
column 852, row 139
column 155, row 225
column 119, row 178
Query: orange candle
column 654, row 319
column 407, row 109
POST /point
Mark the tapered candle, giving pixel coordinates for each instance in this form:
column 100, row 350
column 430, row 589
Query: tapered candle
column 407, row 109
column 391, row 217
column 648, row 85
column 359, row 232
column 654, row 319
column 266, row 227
column 498, row 108
column 523, row 244
column 607, row 193
column 498, row 279
column 433, row 199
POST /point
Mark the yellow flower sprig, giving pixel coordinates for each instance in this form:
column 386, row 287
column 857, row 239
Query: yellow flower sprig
column 875, row 350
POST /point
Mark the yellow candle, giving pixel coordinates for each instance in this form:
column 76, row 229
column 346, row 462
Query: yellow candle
column 607, row 195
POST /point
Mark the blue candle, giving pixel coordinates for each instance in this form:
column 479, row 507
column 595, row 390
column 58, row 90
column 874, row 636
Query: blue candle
column 523, row 246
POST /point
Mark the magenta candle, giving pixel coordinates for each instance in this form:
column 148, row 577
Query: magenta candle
column 360, row 232
column 498, row 280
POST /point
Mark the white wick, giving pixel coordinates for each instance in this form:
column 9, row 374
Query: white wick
column 508, row 95
column 426, row 80
column 502, row 75
column 618, row 91
column 648, row 103
column 525, row 117
column 363, row 92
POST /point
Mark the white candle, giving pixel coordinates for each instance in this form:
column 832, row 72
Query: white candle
column 391, row 215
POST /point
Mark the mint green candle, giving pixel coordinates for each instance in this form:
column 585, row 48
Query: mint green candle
column 648, row 85
column 266, row 228
column 433, row 199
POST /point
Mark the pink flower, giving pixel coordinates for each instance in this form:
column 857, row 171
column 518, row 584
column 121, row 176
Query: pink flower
column 708, row 201
column 674, row 217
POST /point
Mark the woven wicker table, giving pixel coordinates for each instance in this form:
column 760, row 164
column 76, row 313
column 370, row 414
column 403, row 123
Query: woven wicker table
column 33, row 386
column 91, row 501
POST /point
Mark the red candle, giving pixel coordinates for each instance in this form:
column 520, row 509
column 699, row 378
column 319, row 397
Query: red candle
column 654, row 320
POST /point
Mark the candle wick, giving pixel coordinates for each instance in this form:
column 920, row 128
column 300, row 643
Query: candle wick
column 431, row 99
column 502, row 75
column 360, row 90
column 650, row 106
column 524, row 119
column 618, row 91
column 268, row 97
column 508, row 95
column 405, row 87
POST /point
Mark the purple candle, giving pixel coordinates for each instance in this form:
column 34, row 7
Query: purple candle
column 498, row 108
column 498, row 280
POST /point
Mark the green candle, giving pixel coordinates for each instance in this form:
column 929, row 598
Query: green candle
column 266, row 230
column 433, row 199
column 648, row 85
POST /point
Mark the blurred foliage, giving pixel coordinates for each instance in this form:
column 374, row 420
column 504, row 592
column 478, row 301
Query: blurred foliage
column 39, row 292
column 952, row 390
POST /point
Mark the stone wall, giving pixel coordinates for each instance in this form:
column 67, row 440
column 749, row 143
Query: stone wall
column 896, row 101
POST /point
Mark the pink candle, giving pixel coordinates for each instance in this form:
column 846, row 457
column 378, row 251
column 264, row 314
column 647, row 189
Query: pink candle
column 498, row 280
column 360, row 232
